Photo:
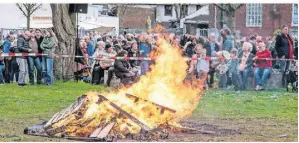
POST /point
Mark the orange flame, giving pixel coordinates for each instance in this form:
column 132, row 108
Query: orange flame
column 158, row 29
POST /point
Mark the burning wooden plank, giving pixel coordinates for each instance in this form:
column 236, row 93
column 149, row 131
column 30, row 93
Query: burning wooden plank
column 143, row 126
column 67, row 111
column 52, row 132
column 103, row 133
column 160, row 106
column 95, row 132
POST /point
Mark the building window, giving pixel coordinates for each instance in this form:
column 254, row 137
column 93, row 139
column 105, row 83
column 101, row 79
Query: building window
column 295, row 15
column 198, row 7
column 254, row 15
column 168, row 10
column 184, row 10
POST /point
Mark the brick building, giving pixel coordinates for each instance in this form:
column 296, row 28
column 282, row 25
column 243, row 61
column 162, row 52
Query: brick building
column 135, row 17
column 262, row 19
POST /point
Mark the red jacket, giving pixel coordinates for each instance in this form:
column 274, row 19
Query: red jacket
column 262, row 63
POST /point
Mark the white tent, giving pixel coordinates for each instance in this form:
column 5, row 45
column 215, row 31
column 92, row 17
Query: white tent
column 92, row 25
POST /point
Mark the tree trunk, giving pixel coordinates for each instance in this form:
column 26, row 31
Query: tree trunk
column 234, row 23
column 65, row 32
column 28, row 22
column 231, row 22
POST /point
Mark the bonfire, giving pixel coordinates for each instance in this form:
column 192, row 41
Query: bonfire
column 150, row 108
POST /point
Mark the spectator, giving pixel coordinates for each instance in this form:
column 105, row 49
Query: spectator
column 100, row 51
column 124, row 45
column 193, row 63
column 7, row 60
column 48, row 47
column 23, row 47
column 90, row 49
column 284, row 47
column 14, row 69
column 101, row 66
column 233, row 69
column 122, row 69
column 39, row 39
column 7, row 44
column 228, row 40
column 202, row 67
column 222, row 68
column 245, row 64
column 145, row 50
column 189, row 47
column 34, row 61
column 133, row 52
column 253, row 42
column 262, row 66
column 212, row 48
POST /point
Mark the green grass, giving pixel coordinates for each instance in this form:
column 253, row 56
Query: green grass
column 21, row 107
column 273, row 104
column 30, row 101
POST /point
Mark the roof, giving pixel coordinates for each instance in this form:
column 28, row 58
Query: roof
column 198, row 19
column 199, row 16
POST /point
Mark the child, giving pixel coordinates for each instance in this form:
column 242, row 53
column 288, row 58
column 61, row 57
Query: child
column 233, row 69
column 222, row 68
column 202, row 66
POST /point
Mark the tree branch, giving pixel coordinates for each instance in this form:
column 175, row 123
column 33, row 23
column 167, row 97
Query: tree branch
column 220, row 7
column 21, row 9
column 35, row 8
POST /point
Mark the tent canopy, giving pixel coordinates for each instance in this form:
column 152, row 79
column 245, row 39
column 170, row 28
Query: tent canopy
column 92, row 25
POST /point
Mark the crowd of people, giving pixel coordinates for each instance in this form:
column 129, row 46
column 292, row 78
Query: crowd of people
column 236, row 59
column 17, row 68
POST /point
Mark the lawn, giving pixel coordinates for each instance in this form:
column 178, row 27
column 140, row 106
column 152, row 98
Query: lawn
column 258, row 116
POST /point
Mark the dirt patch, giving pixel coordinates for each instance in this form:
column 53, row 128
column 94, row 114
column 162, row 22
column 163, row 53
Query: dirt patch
column 218, row 131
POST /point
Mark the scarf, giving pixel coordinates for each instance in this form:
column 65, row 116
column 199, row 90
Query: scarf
column 290, row 47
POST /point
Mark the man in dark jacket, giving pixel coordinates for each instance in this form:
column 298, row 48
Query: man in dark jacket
column 212, row 47
column 284, row 47
column 253, row 42
column 23, row 47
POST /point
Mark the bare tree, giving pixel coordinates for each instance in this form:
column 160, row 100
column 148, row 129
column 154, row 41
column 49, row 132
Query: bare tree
column 27, row 10
column 230, row 11
column 66, row 35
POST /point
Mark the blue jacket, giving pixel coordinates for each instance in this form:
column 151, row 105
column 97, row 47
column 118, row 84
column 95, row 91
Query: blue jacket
column 6, row 46
column 90, row 49
column 228, row 43
column 145, row 48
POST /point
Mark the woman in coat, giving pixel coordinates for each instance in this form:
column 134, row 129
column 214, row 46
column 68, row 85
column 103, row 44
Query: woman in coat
column 48, row 47
column 122, row 69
